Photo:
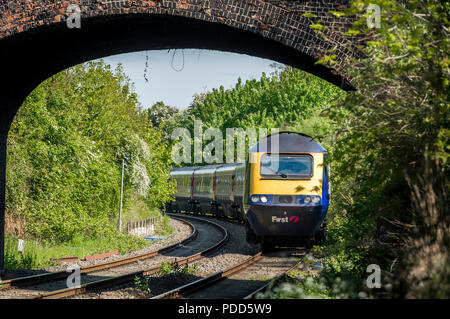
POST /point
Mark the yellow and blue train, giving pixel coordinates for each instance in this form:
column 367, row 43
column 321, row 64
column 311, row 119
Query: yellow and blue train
column 282, row 193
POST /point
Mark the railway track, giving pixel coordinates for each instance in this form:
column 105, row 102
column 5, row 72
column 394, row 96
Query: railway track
column 47, row 277
column 53, row 285
column 242, row 281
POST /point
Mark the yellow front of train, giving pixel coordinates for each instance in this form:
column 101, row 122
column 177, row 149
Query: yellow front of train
column 288, row 194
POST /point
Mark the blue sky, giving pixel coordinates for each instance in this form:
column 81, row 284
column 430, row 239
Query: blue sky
column 203, row 70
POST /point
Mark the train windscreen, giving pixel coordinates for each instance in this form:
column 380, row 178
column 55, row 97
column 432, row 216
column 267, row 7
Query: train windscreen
column 286, row 166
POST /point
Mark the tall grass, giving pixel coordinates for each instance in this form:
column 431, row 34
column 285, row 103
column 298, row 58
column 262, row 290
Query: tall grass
column 29, row 259
column 38, row 255
column 164, row 227
column 135, row 209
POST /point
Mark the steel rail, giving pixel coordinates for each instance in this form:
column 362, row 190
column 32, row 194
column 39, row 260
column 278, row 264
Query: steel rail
column 107, row 282
column 208, row 281
column 58, row 275
column 232, row 220
column 263, row 288
column 197, row 285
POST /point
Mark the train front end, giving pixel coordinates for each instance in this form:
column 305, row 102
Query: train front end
column 288, row 190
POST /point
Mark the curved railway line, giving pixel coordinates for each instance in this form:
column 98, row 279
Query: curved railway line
column 52, row 276
column 207, row 239
column 53, row 285
column 242, row 281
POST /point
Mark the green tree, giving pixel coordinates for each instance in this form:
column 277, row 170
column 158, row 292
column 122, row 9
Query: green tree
column 65, row 149
column 390, row 156
column 165, row 118
column 289, row 99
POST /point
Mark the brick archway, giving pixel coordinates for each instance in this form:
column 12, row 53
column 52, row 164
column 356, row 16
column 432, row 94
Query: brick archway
column 36, row 43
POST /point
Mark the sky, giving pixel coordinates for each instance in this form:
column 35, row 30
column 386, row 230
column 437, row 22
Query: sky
column 175, row 83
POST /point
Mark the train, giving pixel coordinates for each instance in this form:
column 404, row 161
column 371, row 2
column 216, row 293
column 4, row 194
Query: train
column 281, row 193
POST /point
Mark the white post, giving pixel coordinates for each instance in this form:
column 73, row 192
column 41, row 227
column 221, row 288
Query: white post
column 20, row 246
column 121, row 196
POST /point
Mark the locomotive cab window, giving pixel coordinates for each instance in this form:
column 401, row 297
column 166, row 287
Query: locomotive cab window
column 286, row 166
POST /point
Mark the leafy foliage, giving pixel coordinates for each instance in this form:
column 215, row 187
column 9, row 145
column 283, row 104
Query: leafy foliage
column 65, row 149
column 142, row 283
column 168, row 268
column 164, row 117
column 277, row 101
column 289, row 99
column 389, row 204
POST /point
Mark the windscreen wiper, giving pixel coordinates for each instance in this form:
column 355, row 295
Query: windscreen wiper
column 278, row 173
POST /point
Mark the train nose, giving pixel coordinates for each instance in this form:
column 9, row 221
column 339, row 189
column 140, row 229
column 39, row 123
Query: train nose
column 285, row 221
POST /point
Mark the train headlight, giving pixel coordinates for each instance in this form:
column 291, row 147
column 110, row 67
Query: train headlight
column 307, row 200
column 254, row 198
column 264, row 199
column 316, row 199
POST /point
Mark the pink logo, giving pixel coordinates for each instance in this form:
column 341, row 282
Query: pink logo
column 294, row 219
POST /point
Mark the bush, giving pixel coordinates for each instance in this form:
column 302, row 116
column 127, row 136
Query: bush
column 65, row 151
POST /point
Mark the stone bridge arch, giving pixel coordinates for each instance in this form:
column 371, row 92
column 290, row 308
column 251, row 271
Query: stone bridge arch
column 35, row 41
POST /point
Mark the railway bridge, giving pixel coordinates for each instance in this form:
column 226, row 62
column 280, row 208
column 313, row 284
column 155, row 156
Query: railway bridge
column 36, row 40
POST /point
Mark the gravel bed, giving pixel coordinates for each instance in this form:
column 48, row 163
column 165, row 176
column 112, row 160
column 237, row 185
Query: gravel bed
column 207, row 235
column 234, row 252
column 242, row 283
column 157, row 286
column 181, row 231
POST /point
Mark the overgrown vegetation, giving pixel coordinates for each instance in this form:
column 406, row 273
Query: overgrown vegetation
column 289, row 99
column 167, row 268
column 390, row 158
column 391, row 152
column 278, row 101
column 164, row 228
column 38, row 255
column 142, row 283
column 65, row 149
